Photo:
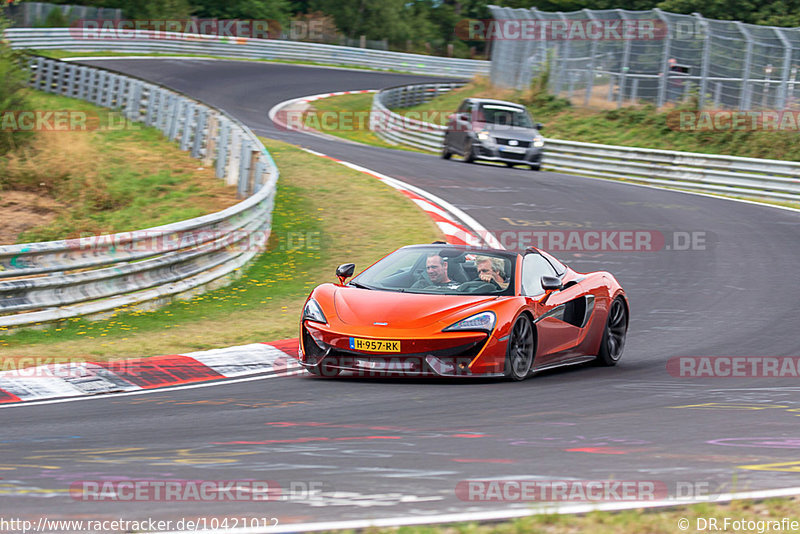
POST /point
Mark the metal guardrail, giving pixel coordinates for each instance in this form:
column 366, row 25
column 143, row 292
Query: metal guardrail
column 145, row 41
column 732, row 175
column 400, row 129
column 43, row 282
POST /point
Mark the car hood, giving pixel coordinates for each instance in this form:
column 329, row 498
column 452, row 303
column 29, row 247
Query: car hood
column 512, row 132
column 365, row 307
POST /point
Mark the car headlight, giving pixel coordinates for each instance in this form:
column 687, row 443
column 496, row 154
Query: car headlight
column 312, row 312
column 538, row 141
column 483, row 321
column 483, row 135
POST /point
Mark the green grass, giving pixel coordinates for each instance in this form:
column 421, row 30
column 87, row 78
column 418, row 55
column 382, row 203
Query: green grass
column 317, row 225
column 639, row 126
column 656, row 521
column 347, row 117
column 111, row 180
column 636, row 126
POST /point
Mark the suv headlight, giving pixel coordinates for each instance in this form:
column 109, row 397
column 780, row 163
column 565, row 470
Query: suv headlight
column 483, row 321
column 484, row 135
column 312, row 312
column 538, row 141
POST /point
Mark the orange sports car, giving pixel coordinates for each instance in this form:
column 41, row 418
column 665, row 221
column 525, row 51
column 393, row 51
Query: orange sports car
column 454, row 311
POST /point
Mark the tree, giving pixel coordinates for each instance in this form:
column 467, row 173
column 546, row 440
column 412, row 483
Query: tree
column 13, row 80
column 243, row 9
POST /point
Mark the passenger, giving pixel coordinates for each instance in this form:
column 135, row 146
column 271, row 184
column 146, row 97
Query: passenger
column 436, row 268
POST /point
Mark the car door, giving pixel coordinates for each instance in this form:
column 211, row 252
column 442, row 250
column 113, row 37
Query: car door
column 459, row 124
column 559, row 318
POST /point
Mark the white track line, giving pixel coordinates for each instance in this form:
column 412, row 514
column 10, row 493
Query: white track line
column 496, row 515
column 218, row 382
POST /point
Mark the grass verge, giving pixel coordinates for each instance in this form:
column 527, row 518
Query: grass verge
column 120, row 177
column 325, row 214
column 637, row 126
column 751, row 517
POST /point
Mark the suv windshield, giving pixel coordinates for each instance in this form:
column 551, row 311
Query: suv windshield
column 504, row 115
column 442, row 270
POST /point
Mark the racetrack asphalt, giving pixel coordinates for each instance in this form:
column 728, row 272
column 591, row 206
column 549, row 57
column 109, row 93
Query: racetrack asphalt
column 383, row 448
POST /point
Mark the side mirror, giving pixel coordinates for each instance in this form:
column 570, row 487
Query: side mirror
column 345, row 271
column 550, row 284
column 538, row 126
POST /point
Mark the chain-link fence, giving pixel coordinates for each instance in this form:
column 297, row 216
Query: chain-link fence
column 618, row 57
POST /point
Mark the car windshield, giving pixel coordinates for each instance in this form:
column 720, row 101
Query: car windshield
column 442, row 270
column 504, row 115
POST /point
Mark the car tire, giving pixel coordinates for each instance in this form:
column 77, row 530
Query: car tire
column 613, row 341
column 520, row 350
column 469, row 155
column 446, row 152
column 535, row 166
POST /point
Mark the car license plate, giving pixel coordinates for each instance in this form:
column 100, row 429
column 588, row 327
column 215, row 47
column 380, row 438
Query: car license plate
column 515, row 149
column 374, row 345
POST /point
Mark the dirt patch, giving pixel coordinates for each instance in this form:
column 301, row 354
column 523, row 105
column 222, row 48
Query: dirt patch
column 23, row 210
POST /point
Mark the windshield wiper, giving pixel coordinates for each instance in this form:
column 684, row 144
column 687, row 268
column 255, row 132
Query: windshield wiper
column 360, row 286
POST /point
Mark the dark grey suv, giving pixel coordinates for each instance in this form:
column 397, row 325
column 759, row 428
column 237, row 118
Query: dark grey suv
column 494, row 130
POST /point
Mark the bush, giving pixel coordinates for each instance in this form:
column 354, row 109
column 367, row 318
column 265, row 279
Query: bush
column 55, row 19
column 13, row 80
column 539, row 96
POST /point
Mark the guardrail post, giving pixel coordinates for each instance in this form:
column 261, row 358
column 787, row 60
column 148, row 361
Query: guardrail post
column 164, row 118
column 48, row 79
column 99, row 95
column 111, row 90
column 211, row 139
column 72, row 86
column 175, row 118
column 234, row 157
column 151, row 104
column 199, row 131
column 86, row 85
column 223, row 148
column 133, row 110
column 253, row 163
column 37, row 80
column 244, row 170
column 188, row 125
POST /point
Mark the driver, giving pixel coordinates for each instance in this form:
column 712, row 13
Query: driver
column 490, row 270
column 436, row 267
